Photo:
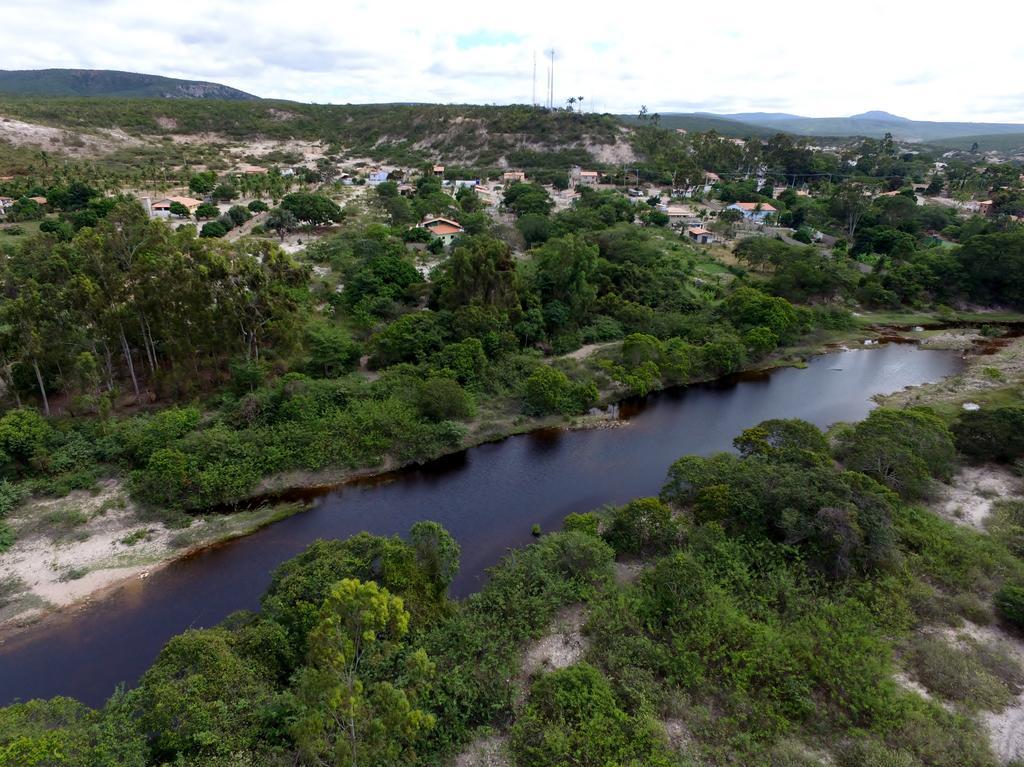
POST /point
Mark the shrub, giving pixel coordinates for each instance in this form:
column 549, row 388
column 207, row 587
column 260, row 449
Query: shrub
column 548, row 390
column 643, row 525
column 588, row 523
column 213, row 229
column 572, row 717
column 1009, row 602
column 442, row 399
column 991, row 435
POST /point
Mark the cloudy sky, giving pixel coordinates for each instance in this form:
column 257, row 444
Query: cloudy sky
column 938, row 60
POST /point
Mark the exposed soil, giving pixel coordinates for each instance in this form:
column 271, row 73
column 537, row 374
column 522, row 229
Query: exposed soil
column 969, row 498
column 563, row 646
column 73, row 548
column 487, row 751
column 64, row 142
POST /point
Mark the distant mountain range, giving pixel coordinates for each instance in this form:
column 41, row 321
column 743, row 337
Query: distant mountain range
column 111, row 84
column 873, row 124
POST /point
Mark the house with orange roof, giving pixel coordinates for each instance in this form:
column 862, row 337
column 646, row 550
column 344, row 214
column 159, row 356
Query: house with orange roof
column 700, row 235
column 162, row 208
column 445, row 229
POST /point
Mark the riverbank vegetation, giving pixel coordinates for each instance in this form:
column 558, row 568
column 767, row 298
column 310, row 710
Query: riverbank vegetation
column 783, row 591
column 194, row 368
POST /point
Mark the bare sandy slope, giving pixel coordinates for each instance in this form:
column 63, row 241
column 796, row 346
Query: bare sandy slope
column 59, row 141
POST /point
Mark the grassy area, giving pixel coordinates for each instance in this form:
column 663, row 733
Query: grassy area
column 26, row 230
column 932, row 318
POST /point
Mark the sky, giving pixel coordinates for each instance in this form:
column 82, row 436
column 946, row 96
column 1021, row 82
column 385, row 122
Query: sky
column 928, row 60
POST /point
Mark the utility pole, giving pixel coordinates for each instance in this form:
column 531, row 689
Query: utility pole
column 534, row 101
column 551, row 77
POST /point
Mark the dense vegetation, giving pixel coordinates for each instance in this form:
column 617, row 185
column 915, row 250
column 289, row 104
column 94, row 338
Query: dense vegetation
column 779, row 589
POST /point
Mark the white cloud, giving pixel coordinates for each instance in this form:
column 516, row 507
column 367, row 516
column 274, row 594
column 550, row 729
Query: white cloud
column 821, row 58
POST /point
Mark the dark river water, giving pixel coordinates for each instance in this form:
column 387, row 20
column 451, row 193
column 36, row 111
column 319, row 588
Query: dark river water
column 488, row 497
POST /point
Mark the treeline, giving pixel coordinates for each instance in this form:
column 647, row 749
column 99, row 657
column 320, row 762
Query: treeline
column 130, row 299
column 781, row 583
column 985, row 269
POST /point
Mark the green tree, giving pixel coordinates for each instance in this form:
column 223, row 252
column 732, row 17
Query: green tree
column 201, row 699
column 346, row 718
column 572, row 718
column 311, row 208
column 207, row 210
column 282, row 221
column 528, row 198
column 203, row 183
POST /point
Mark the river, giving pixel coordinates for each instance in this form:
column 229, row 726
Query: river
column 487, row 496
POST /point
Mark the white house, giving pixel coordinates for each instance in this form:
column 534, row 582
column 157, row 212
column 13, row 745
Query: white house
column 678, row 215
column 700, row 235
column 6, row 203
column 753, row 211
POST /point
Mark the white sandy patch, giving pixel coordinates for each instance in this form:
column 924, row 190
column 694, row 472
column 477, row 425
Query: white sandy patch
column 590, row 349
column 1005, row 728
column 968, row 500
column 678, row 735
column 563, row 646
column 488, row 751
column 62, row 568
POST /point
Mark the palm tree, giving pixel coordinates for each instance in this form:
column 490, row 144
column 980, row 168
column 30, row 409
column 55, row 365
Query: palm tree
column 580, row 99
column 570, row 101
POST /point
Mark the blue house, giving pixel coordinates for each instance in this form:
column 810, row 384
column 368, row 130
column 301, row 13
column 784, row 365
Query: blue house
column 753, row 211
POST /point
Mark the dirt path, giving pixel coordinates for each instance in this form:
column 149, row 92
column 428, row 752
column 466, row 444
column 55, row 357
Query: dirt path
column 589, row 349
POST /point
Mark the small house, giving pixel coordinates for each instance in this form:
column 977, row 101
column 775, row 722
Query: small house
column 678, row 214
column 162, row 208
column 753, row 211
column 6, row 203
column 588, row 177
column 376, row 176
column 700, row 235
column 251, row 170
column 445, row 229
column 438, row 170
column 986, row 208
column 487, row 197
column 38, row 200
column 513, row 177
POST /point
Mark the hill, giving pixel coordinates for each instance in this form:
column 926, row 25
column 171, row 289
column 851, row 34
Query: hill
column 700, row 122
column 873, row 124
column 111, row 84
column 467, row 135
column 1005, row 142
